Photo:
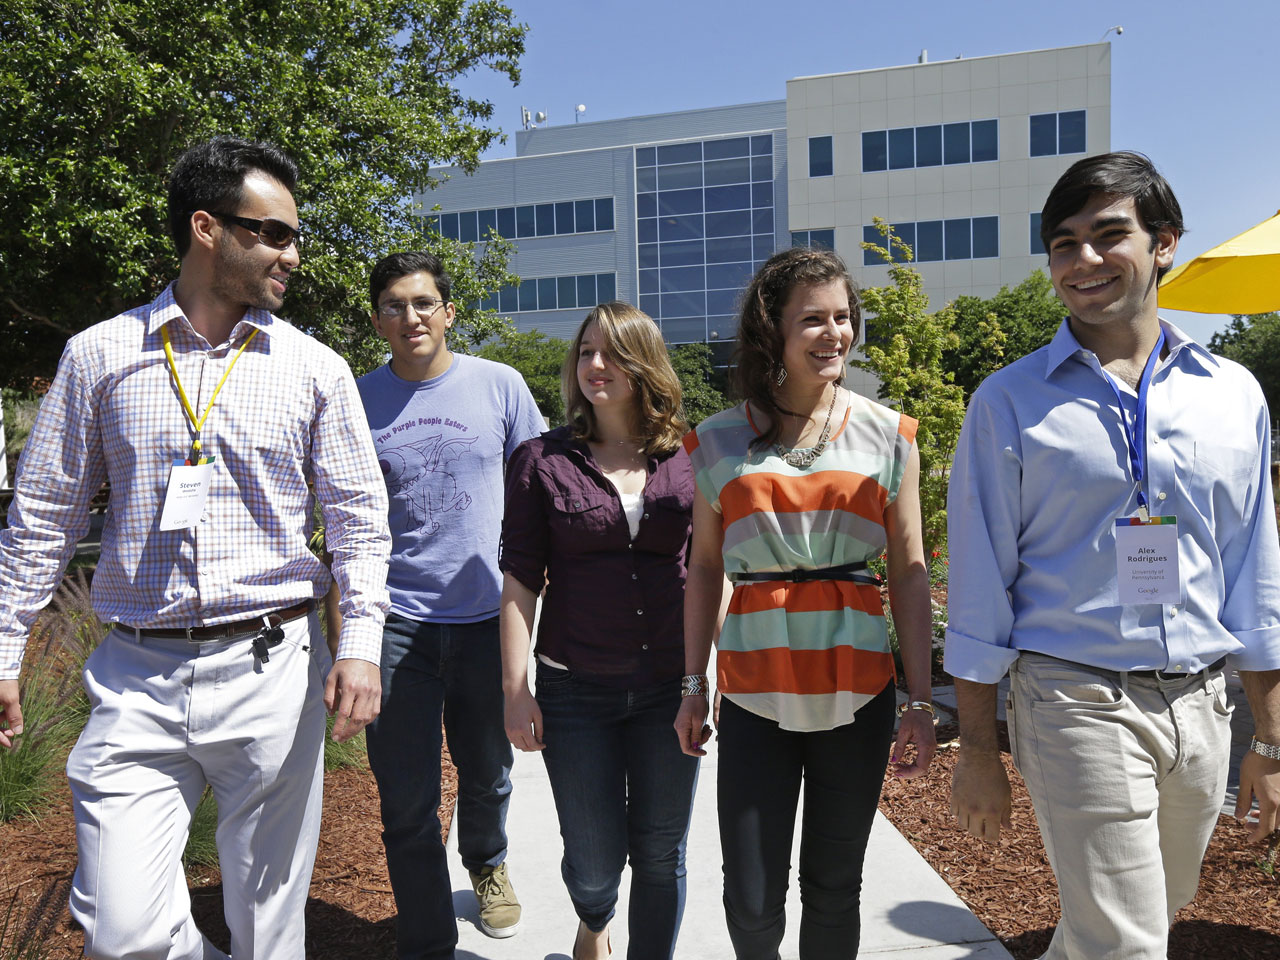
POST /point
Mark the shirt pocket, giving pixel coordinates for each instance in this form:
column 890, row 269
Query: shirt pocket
column 580, row 516
column 1223, row 480
column 665, row 525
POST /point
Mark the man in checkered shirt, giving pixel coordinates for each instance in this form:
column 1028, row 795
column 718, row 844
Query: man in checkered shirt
column 216, row 423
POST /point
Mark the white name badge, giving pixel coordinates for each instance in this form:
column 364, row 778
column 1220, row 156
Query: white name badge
column 1147, row 560
column 185, row 498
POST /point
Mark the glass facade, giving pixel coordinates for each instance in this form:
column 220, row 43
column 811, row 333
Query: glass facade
column 821, row 162
column 1053, row 134
column 704, row 223
column 964, row 238
column 554, row 293
column 530, row 220
column 1036, row 244
column 814, row 238
column 973, row 141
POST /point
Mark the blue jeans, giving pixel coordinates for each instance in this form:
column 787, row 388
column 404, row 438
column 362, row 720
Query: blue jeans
column 430, row 670
column 761, row 769
column 622, row 789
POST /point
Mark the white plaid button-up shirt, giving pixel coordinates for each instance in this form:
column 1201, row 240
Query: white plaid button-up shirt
column 288, row 413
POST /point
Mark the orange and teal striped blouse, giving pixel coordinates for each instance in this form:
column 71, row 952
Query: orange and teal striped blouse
column 806, row 655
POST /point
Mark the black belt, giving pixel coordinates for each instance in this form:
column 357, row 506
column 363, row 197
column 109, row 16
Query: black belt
column 855, row 572
column 224, row 631
column 1168, row 675
column 1163, row 676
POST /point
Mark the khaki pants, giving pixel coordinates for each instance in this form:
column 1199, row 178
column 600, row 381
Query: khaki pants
column 1127, row 775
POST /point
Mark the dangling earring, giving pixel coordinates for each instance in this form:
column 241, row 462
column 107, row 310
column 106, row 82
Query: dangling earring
column 782, row 375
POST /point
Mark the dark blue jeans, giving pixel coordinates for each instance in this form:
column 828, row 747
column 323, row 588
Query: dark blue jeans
column 622, row 789
column 430, row 670
column 761, row 767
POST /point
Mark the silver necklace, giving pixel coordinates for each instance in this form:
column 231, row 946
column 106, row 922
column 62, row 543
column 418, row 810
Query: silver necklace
column 800, row 458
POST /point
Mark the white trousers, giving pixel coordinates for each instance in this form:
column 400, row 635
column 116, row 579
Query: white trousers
column 168, row 717
column 1127, row 776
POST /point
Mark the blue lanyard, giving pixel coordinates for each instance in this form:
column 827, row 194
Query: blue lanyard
column 1137, row 436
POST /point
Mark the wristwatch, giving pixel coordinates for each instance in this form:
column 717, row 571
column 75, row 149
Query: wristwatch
column 1269, row 750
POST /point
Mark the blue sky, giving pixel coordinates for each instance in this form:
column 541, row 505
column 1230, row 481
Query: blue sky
column 1193, row 84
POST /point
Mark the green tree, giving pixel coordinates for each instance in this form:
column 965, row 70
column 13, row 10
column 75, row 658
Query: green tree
column 539, row 359
column 905, row 349
column 1254, row 342
column 98, row 97
column 995, row 332
column 699, row 385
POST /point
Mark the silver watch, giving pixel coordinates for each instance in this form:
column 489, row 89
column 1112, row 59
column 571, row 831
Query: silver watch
column 1268, row 750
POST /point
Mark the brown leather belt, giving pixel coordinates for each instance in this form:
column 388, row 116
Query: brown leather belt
column 224, row 631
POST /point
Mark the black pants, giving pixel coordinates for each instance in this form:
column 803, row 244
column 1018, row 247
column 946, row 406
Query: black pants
column 760, row 769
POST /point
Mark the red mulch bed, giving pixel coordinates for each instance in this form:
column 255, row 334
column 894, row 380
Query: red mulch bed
column 1009, row 886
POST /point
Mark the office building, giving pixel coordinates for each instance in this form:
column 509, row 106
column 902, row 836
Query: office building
column 675, row 211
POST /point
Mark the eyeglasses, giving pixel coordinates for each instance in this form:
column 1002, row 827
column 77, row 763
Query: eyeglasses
column 423, row 307
column 273, row 233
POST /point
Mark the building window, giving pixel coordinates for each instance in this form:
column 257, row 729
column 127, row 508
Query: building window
column 1036, row 245
column 704, row 224
column 1053, row 134
column 554, row 293
column 814, row 238
column 966, row 238
column 904, row 148
column 820, row 159
column 531, row 220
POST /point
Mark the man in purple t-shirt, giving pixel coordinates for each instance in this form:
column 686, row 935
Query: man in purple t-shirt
column 443, row 425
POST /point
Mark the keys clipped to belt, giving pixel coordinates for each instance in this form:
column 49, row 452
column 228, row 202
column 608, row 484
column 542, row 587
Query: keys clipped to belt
column 271, row 635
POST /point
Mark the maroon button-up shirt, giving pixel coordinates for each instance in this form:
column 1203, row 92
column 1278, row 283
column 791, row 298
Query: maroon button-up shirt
column 614, row 607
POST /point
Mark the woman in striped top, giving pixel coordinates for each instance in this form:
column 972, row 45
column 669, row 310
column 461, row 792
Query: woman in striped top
column 798, row 486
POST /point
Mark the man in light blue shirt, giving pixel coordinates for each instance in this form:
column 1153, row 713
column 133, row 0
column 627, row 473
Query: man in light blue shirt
column 1114, row 547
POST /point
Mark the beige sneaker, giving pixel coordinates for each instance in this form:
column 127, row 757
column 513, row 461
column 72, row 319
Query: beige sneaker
column 499, row 908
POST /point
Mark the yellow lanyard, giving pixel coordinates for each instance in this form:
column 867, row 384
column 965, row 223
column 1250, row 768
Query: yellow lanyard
column 197, row 425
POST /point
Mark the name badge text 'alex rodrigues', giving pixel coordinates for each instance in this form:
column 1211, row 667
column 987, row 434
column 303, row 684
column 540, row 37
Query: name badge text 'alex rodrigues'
column 1147, row 560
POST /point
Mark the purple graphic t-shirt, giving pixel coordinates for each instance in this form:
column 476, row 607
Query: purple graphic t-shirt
column 442, row 445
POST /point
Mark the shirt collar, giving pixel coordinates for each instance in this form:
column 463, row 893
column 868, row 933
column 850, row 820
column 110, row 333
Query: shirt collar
column 164, row 308
column 1064, row 346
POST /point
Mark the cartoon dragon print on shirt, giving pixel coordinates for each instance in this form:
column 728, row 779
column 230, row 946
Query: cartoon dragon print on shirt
column 406, row 470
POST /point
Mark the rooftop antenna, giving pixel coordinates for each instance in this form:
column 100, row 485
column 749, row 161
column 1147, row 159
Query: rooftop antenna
column 1117, row 29
column 924, row 56
column 525, row 118
column 540, row 117
column 578, row 111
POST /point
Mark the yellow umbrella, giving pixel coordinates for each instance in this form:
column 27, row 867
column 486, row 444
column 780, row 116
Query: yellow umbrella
column 1239, row 276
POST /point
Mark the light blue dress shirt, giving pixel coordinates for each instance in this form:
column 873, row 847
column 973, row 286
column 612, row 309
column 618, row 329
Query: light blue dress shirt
column 1041, row 474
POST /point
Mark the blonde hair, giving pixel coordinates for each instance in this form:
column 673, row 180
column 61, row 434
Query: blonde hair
column 634, row 344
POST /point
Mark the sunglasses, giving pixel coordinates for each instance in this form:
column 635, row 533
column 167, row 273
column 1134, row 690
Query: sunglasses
column 273, row 233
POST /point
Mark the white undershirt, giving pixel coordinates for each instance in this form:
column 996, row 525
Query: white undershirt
column 633, row 508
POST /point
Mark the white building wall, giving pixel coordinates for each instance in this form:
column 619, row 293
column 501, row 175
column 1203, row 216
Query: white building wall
column 1007, row 88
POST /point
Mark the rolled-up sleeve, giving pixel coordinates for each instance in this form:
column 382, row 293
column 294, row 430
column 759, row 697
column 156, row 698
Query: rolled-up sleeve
column 525, row 534
column 983, row 521
column 1251, row 570
column 353, row 501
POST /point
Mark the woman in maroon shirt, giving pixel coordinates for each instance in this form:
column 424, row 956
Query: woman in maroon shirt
column 599, row 512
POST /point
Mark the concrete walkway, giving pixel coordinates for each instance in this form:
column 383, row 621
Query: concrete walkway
column 908, row 911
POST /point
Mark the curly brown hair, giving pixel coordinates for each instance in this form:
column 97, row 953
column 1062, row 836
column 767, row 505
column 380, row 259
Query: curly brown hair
column 757, row 358
column 634, row 343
